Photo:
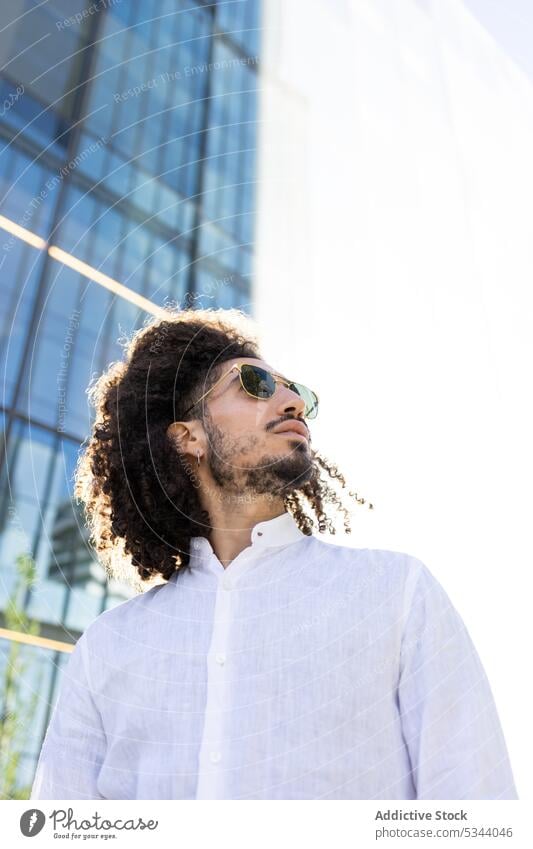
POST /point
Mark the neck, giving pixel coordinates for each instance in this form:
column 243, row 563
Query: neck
column 232, row 519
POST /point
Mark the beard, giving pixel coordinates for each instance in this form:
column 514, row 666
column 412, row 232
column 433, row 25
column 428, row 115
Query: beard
column 274, row 474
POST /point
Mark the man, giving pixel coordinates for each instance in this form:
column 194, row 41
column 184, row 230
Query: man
column 259, row 662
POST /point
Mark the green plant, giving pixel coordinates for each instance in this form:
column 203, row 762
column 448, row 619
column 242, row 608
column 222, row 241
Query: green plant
column 17, row 710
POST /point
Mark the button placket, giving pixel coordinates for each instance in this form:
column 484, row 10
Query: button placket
column 211, row 774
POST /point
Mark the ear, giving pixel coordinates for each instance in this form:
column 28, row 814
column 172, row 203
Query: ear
column 186, row 436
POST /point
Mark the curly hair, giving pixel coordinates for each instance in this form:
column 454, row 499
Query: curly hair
column 138, row 498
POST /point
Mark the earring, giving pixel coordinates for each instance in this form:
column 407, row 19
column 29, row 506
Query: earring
column 198, row 455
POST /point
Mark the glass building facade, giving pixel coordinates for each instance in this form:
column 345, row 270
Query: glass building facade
column 127, row 163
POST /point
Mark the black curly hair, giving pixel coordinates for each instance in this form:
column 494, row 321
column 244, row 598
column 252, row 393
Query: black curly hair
column 139, row 501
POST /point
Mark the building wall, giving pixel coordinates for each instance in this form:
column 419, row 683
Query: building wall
column 127, row 140
column 393, row 272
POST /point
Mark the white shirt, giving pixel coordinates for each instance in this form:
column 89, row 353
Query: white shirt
column 304, row 670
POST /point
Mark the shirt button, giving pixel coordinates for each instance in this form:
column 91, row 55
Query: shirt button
column 221, row 658
column 215, row 757
column 226, row 583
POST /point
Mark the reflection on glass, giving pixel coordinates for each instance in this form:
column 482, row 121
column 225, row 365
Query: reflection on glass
column 128, row 150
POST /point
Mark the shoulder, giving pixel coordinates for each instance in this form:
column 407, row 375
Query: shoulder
column 397, row 584
column 125, row 616
column 382, row 565
column 381, row 583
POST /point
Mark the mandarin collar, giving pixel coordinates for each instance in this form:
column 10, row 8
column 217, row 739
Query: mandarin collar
column 282, row 530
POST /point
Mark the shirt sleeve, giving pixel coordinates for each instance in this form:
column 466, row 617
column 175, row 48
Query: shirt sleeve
column 449, row 719
column 75, row 744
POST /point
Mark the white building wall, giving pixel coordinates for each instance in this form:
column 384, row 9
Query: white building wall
column 393, row 274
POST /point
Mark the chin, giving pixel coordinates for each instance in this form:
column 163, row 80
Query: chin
column 295, row 469
column 282, row 473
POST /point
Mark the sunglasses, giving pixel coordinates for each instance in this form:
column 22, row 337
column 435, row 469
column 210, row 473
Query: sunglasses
column 261, row 384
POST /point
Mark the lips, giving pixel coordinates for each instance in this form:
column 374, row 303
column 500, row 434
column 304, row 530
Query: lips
column 294, row 427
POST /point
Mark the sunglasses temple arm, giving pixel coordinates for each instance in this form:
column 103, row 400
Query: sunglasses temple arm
column 210, row 388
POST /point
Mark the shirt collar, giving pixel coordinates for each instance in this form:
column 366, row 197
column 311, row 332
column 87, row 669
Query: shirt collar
column 282, row 530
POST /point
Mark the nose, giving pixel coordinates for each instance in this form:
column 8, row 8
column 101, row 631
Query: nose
column 290, row 402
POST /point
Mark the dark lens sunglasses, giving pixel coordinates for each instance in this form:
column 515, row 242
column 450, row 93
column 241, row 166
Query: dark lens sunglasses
column 261, row 384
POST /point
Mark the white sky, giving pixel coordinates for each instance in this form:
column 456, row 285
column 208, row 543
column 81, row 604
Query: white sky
column 394, row 277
